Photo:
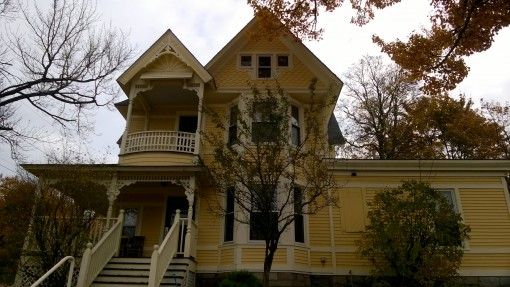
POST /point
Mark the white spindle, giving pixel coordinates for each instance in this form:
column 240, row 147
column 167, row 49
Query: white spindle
column 95, row 258
column 160, row 141
column 163, row 255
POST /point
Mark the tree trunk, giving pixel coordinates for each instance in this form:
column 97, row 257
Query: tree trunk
column 268, row 262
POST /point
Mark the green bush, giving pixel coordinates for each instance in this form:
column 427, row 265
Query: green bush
column 240, row 279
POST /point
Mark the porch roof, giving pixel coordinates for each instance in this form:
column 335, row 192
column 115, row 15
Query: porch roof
column 39, row 169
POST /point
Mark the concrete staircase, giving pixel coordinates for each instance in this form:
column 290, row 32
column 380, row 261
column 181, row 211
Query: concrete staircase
column 134, row 272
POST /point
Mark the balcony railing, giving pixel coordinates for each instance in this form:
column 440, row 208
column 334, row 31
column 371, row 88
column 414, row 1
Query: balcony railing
column 160, row 141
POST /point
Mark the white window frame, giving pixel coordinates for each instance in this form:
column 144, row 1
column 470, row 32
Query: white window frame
column 457, row 207
column 239, row 61
column 271, row 66
column 275, row 196
column 289, row 60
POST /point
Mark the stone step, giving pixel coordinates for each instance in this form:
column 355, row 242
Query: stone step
column 146, row 260
column 138, row 272
column 136, row 279
column 135, row 272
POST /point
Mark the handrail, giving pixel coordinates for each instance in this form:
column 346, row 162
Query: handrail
column 54, row 268
column 163, row 255
column 94, row 259
column 160, row 140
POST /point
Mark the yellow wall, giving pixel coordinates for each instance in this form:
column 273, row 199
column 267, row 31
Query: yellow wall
column 157, row 159
column 484, row 209
column 230, row 76
column 150, row 200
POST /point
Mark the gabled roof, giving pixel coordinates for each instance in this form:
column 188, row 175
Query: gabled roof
column 335, row 136
column 295, row 45
column 167, row 43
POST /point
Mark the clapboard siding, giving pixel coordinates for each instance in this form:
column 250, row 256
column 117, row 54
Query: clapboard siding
column 486, row 212
column 157, row 159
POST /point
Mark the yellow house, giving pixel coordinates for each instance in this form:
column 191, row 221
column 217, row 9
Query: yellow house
column 158, row 173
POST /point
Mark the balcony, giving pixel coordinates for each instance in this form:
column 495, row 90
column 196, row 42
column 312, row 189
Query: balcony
column 172, row 141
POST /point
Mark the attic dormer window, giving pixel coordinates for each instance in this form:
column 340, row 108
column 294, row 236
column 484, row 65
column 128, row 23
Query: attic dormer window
column 264, row 66
column 246, row 61
column 282, row 61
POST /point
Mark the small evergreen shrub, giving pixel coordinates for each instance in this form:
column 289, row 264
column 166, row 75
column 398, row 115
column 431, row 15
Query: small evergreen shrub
column 240, row 279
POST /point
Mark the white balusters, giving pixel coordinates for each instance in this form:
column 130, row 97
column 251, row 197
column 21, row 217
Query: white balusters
column 163, row 255
column 160, row 141
column 95, row 258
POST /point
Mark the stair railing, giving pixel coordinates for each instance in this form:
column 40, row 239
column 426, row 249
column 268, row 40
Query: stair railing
column 163, row 255
column 95, row 259
column 54, row 268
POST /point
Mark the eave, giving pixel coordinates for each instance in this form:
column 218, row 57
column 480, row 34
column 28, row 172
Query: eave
column 168, row 39
column 421, row 165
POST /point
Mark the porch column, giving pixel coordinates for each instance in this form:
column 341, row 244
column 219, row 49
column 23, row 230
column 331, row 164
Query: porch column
column 190, row 195
column 136, row 88
column 128, row 119
column 200, row 94
column 112, row 193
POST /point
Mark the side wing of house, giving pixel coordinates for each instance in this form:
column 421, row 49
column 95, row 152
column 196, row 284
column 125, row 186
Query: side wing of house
column 477, row 189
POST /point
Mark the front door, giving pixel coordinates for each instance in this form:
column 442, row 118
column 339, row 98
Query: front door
column 172, row 204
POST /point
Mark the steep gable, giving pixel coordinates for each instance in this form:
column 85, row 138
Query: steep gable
column 167, row 58
column 303, row 65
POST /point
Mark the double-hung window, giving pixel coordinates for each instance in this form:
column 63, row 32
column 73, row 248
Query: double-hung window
column 449, row 234
column 264, row 66
column 295, row 127
column 229, row 215
column 263, row 128
column 232, row 128
column 263, row 217
column 299, row 226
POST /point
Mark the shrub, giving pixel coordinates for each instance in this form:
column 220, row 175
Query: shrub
column 414, row 237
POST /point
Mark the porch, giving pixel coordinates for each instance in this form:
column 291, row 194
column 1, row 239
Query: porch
column 155, row 227
column 149, row 215
column 162, row 116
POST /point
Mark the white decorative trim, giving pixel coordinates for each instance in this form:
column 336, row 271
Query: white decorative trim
column 507, row 195
column 489, row 271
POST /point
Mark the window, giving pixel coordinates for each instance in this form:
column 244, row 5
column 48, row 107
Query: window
column 296, row 130
column 245, row 61
column 449, row 234
column 262, row 219
column 282, row 60
column 232, row 129
column 229, row 215
column 264, row 67
column 263, row 128
column 450, row 198
column 299, row 228
column 130, row 219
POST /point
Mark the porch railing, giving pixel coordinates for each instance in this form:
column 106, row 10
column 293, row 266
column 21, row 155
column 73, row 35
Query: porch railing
column 160, row 141
column 95, row 258
column 98, row 228
column 163, row 255
column 183, row 225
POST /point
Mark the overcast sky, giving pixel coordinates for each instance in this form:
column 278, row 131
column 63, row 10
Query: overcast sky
column 205, row 26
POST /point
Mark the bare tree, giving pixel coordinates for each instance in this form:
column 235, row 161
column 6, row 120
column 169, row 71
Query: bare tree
column 376, row 97
column 61, row 60
column 272, row 172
